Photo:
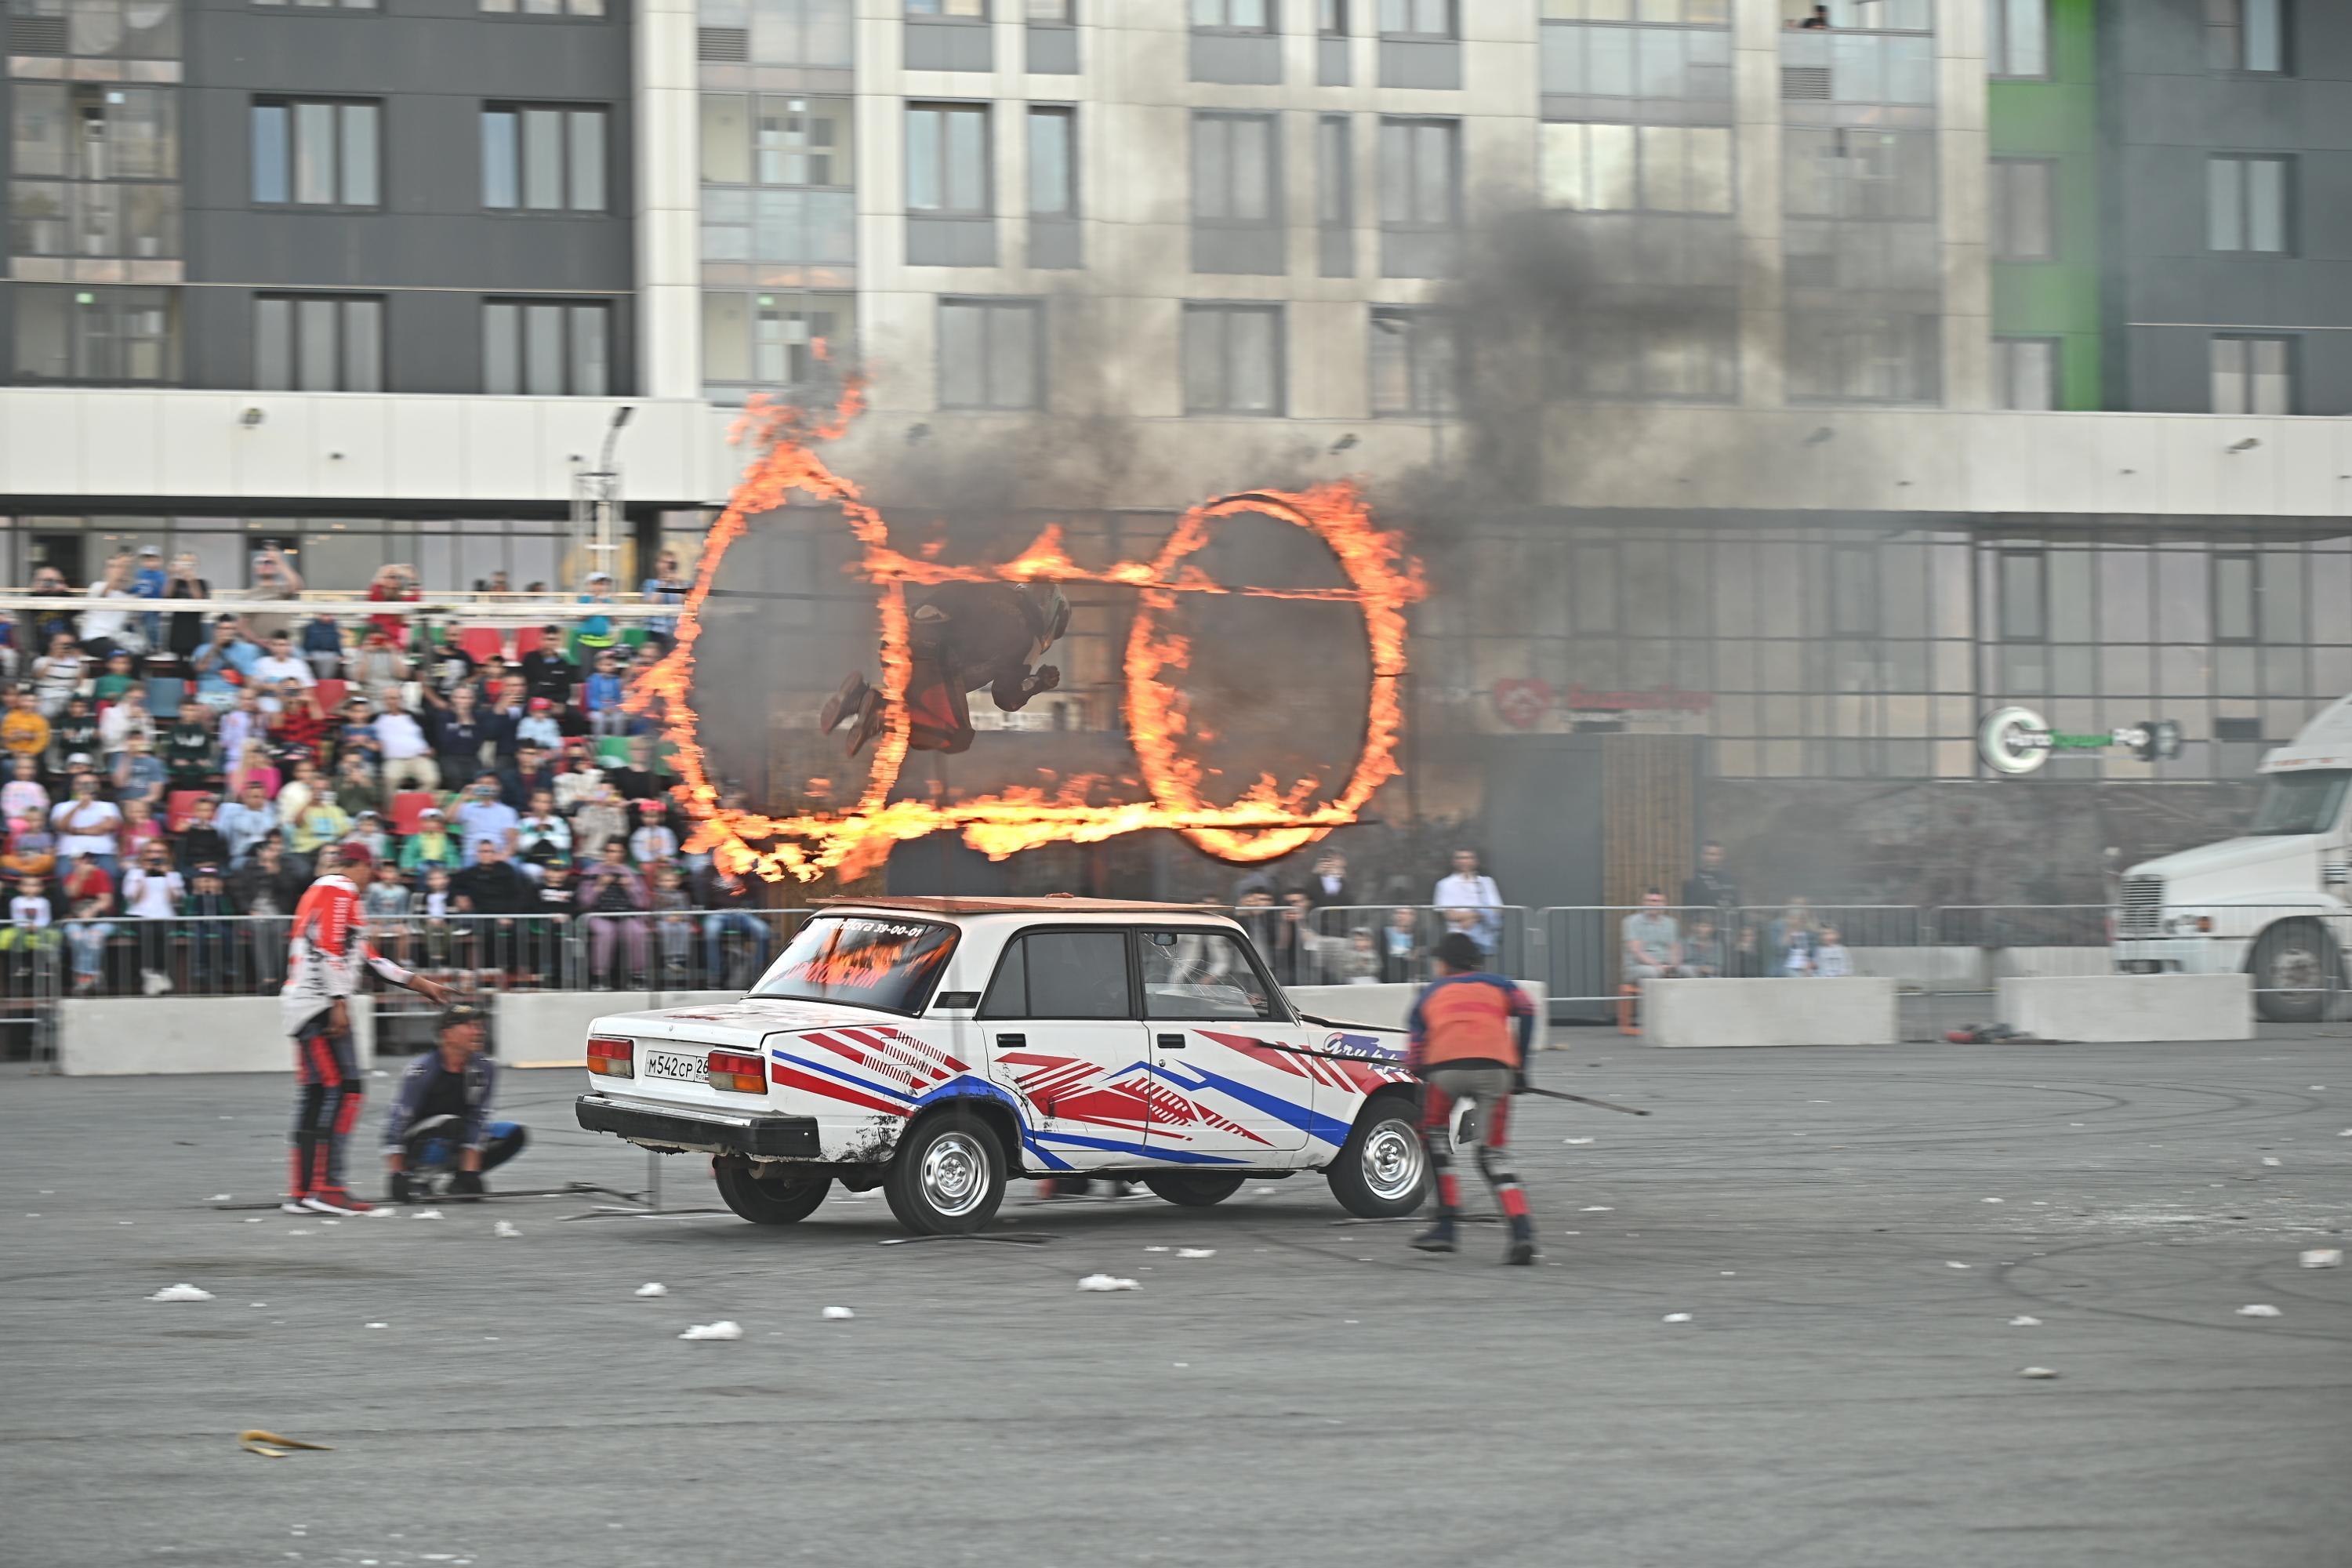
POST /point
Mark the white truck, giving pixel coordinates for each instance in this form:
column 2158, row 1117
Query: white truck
column 2275, row 903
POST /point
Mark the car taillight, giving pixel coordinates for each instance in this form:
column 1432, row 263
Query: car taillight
column 612, row 1057
column 742, row 1074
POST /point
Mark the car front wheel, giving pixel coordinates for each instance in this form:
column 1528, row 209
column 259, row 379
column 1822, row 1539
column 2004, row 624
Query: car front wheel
column 777, row 1198
column 948, row 1175
column 1382, row 1171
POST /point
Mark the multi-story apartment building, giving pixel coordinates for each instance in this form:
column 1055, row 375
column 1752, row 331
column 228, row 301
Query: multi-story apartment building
column 370, row 279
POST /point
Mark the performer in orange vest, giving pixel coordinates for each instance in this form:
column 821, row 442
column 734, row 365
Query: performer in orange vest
column 1471, row 1033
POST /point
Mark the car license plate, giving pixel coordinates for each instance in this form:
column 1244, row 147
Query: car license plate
column 668, row 1064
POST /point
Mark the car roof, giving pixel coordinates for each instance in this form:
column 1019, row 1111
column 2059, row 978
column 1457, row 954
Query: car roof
column 1052, row 904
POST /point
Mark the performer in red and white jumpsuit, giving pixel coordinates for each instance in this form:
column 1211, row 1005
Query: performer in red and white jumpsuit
column 329, row 942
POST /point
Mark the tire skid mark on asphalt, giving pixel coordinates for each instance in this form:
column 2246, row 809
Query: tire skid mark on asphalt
column 2004, row 1276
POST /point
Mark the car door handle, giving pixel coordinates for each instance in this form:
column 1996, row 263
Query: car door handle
column 1171, row 1042
column 1012, row 1042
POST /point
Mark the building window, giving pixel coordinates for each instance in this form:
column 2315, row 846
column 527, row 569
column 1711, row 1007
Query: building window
column 2250, row 205
column 1858, row 173
column 1854, row 591
column 777, row 177
column 1416, row 362
column 991, row 353
column 1835, row 357
column 1691, row 61
column 318, row 343
column 1053, row 162
column 950, row 10
column 1859, row 15
column 542, row 158
column 1236, row 194
column 1682, row 348
column 1234, row 15
column 546, row 349
column 2025, row 372
column 1331, row 18
column 776, row 32
column 2023, row 586
column 2246, row 36
column 2023, row 203
column 97, row 169
column 1430, row 19
column 316, row 152
column 133, row 29
column 1055, row 13
column 1335, row 197
column 768, row 339
column 1686, row 13
column 2017, row 37
column 947, row 159
column 526, row 7
column 346, row 4
column 117, row 335
column 2233, row 596
column 1630, row 168
column 2253, row 375
column 1420, row 196
column 1233, row 359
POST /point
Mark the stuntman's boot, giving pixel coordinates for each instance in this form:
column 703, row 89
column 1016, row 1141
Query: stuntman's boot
column 1523, row 1241
column 869, row 721
column 841, row 704
column 1438, row 1238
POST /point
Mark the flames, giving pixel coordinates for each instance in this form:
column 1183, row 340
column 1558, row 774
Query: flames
column 1266, row 821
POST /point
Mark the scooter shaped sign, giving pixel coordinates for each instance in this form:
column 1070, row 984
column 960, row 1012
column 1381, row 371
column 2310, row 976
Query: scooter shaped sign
column 2019, row 741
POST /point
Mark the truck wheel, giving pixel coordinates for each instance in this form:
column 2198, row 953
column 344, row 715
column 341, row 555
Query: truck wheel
column 2297, row 972
column 948, row 1176
column 1194, row 1191
column 1382, row 1172
column 781, row 1198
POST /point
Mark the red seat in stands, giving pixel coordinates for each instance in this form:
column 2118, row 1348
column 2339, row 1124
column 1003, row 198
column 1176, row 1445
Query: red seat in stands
column 481, row 642
column 408, row 809
column 179, row 807
column 529, row 641
column 332, row 694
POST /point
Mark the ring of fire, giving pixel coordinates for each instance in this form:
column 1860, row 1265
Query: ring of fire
column 1263, row 823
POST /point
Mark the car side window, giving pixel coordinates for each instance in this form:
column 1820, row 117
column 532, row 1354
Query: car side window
column 1201, row 974
column 1061, row 974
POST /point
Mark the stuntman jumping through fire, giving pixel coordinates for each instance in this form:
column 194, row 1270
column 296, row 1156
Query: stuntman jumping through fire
column 963, row 637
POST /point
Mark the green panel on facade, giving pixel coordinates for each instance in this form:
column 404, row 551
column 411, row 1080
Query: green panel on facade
column 2057, row 118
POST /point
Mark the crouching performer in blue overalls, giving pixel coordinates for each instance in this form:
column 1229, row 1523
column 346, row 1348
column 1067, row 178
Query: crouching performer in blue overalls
column 440, row 1120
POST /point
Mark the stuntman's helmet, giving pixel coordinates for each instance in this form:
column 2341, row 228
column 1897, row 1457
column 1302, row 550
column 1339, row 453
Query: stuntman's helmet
column 1052, row 613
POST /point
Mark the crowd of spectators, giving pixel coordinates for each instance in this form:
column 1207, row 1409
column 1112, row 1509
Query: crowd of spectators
column 166, row 772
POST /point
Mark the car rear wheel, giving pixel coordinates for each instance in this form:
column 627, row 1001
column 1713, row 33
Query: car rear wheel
column 1382, row 1171
column 1192, row 1190
column 775, row 1197
column 948, row 1176
column 2298, row 971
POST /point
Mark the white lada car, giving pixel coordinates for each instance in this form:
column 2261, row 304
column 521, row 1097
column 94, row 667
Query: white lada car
column 935, row 1048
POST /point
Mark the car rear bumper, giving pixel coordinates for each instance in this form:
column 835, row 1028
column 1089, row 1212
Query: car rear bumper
column 680, row 1129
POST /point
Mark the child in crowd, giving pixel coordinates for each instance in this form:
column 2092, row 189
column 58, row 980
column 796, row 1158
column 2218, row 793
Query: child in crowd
column 603, row 697
column 32, row 848
column 86, row 937
column 212, row 934
column 1831, row 959
column 23, row 796
column 28, row 917
column 654, row 843
column 673, row 929
column 117, row 680
column 386, row 904
column 139, row 827
column 433, row 904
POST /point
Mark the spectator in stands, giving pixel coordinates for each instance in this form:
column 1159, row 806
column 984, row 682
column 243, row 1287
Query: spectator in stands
column 138, row 773
column 637, row 780
column 491, row 886
column 299, row 723
column 140, row 829
column 603, row 697
column 653, row 843
column 539, row 727
column 113, row 680
column 223, row 665
column 600, row 816
column 509, row 705
column 380, row 666
column 1352, row 961
column 189, row 755
column 734, row 906
column 1400, row 955
column 86, row 938
column 74, row 736
column 86, row 825
column 266, row 885
column 58, row 675
column 613, row 890
column 673, row 923
column 184, row 632
column 1703, row 951
column 1293, row 953
column 322, row 822
column 151, row 895
column 1469, row 890
column 86, row 880
column 246, row 820
column 368, row 833
column 430, row 846
column 279, row 664
column 408, row 762
column 1831, row 959
column 541, row 837
column 1794, row 936
column 106, row 625
column 201, row 842
column 323, row 645
column 31, row 927
column 355, row 786
column 274, row 580
column 593, row 633
column 459, row 735
column 395, row 584
column 239, row 725
column 24, row 731
column 48, row 582
column 1329, row 887
column 552, row 901
column 23, row 794
column 527, row 776
column 147, row 583
column 1710, row 886
column 254, row 767
column 211, row 933
column 480, row 812
column 121, row 720
column 384, row 901
column 429, row 908
column 1653, row 941
column 32, row 849
column 546, row 673
column 294, row 796
column 664, row 587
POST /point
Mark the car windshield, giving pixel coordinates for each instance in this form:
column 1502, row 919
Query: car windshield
column 2301, row 803
column 866, row 960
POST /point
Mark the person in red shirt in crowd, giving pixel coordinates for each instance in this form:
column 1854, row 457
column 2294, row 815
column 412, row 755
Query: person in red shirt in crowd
column 329, row 945
column 1471, row 1031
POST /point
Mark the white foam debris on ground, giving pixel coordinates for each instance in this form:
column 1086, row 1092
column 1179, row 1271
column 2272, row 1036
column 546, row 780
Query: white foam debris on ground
column 1196, row 1252
column 181, row 1293
column 2035, row 1371
column 2022, row 1321
column 1106, row 1282
column 1596, row 1208
column 652, row 1287
column 1675, row 1318
column 256, row 1220
column 837, row 1314
column 2273, row 1159
column 504, row 1228
column 722, row 1330
column 1992, row 1200
column 219, row 1198
column 1155, row 1250
column 384, row 1212
column 1949, row 1264
column 297, row 1233
column 1261, row 1192
column 427, row 1214
column 1728, row 1273
column 2322, row 1257
column 2258, row 1310
column 379, row 1325
column 1576, row 1141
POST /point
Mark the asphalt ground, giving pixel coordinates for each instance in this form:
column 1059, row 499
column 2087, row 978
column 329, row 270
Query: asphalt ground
column 1847, row 1390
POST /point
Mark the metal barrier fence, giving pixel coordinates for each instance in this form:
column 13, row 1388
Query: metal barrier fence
column 1591, row 953
column 1365, row 945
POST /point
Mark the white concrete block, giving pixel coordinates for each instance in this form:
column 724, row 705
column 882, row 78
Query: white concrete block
column 1860, row 1011
column 2130, row 1007
column 115, row 1037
